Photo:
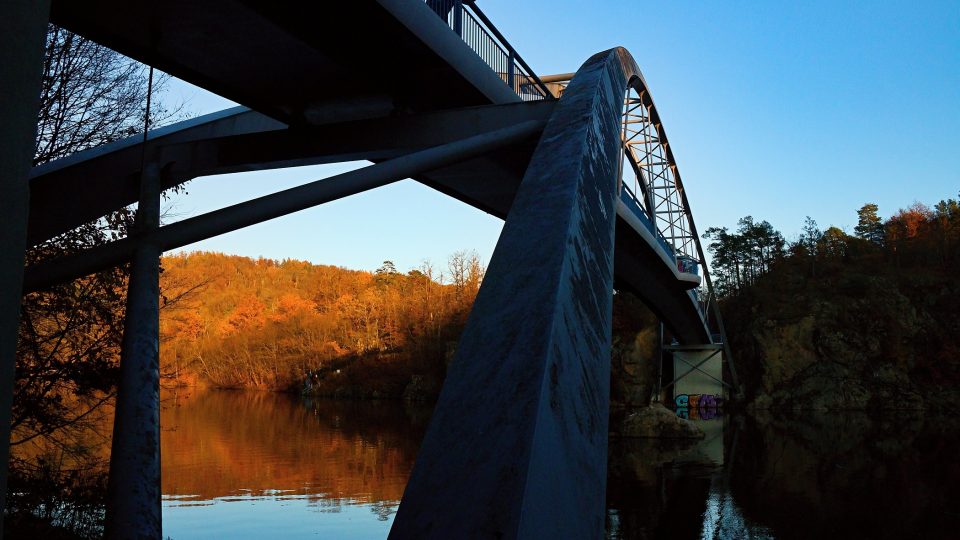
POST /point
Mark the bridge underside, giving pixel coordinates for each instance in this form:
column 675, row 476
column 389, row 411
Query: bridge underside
column 517, row 446
column 303, row 63
column 75, row 190
column 238, row 140
column 309, row 71
column 640, row 270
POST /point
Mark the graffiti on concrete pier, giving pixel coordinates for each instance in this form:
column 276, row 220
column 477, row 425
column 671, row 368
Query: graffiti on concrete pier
column 699, row 406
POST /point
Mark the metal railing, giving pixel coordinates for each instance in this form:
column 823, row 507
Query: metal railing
column 631, row 201
column 476, row 30
column 656, row 183
column 648, row 179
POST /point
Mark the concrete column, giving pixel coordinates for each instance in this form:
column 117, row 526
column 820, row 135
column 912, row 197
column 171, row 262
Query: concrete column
column 517, row 446
column 133, row 497
column 658, row 382
column 23, row 26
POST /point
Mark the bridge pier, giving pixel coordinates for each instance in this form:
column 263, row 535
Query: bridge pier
column 517, row 446
column 133, row 489
column 23, row 27
column 133, row 498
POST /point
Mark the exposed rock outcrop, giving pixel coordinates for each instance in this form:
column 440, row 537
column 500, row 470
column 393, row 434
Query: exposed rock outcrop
column 656, row 421
column 853, row 338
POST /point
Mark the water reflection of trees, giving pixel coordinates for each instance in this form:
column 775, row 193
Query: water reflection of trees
column 331, row 452
column 844, row 475
column 850, row 475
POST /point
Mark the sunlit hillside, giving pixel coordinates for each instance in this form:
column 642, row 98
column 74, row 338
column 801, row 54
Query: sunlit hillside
column 237, row 322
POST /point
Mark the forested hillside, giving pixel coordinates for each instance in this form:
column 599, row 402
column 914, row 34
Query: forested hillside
column 237, row 322
column 834, row 321
column 828, row 320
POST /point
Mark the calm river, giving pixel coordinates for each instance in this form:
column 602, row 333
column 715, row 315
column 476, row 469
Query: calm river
column 256, row 465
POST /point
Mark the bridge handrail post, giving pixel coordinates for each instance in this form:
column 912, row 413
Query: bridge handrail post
column 458, row 17
column 519, row 60
column 511, row 60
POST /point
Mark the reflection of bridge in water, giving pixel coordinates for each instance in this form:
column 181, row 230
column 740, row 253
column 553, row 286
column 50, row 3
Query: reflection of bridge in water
column 587, row 185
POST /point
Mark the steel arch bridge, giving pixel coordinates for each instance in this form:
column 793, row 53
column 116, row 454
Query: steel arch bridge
column 578, row 166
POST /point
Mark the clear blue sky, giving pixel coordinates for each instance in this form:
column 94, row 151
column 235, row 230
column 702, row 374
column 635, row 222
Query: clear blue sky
column 777, row 110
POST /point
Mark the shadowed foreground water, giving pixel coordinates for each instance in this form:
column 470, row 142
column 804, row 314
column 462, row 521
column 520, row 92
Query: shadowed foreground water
column 259, row 465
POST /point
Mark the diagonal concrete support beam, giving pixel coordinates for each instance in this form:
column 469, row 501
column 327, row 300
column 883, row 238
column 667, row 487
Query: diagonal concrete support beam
column 517, row 446
column 85, row 186
column 275, row 205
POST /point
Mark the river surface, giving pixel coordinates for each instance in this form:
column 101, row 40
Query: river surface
column 256, row 465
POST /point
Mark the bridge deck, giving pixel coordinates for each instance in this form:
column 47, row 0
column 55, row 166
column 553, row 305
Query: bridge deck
column 312, row 72
column 300, row 63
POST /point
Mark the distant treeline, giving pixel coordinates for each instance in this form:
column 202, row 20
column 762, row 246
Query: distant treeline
column 233, row 321
column 837, row 320
column 918, row 235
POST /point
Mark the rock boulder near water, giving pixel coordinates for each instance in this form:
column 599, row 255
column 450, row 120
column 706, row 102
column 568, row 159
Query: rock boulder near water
column 657, row 421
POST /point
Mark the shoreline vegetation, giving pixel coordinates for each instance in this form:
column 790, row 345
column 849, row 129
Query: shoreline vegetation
column 291, row 326
column 232, row 322
column 833, row 321
column 827, row 321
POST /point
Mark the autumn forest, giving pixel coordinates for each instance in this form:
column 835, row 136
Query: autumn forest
column 231, row 321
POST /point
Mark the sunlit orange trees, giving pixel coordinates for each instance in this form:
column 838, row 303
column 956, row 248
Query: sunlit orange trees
column 239, row 322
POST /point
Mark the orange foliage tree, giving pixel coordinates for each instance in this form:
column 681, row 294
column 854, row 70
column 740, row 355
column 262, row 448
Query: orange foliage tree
column 240, row 322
